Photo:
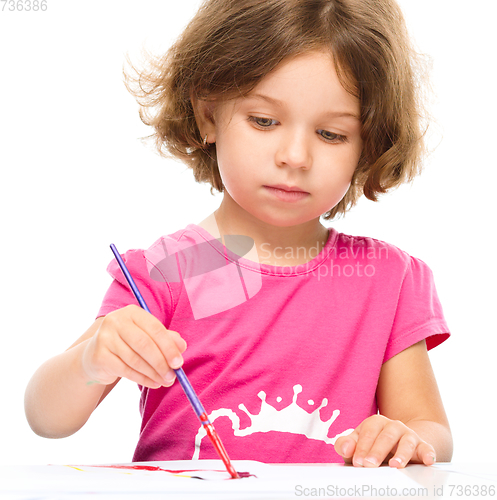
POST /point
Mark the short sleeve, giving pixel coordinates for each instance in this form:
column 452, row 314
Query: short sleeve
column 419, row 313
column 156, row 295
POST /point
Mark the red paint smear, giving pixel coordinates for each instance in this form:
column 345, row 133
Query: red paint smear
column 246, row 474
column 149, row 467
column 155, row 468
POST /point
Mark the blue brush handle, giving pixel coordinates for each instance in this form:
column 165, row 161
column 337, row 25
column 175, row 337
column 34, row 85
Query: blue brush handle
column 180, row 374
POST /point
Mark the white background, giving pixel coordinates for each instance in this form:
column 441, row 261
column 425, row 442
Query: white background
column 75, row 177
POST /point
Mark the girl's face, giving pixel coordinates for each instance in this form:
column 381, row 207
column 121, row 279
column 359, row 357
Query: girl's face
column 298, row 129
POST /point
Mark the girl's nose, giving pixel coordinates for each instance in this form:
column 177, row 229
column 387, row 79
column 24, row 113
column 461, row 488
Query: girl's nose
column 294, row 150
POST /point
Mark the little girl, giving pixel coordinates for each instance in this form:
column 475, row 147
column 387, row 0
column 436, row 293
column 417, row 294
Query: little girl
column 304, row 344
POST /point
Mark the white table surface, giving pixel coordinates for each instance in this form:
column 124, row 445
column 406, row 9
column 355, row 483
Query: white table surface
column 77, row 481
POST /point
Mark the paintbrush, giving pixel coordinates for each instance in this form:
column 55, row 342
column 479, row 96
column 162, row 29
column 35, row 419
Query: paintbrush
column 183, row 380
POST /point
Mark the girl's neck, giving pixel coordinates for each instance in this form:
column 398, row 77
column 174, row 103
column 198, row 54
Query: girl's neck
column 274, row 245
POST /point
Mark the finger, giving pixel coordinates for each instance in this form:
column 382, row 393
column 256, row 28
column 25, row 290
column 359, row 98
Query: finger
column 170, row 343
column 406, row 449
column 117, row 364
column 424, row 453
column 385, row 442
column 428, row 455
column 139, row 353
column 368, row 431
column 345, row 446
column 179, row 340
column 154, row 342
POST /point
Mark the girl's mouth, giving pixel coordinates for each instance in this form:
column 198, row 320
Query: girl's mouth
column 287, row 194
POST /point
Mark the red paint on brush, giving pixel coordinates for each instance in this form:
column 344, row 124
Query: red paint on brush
column 211, row 432
column 218, row 445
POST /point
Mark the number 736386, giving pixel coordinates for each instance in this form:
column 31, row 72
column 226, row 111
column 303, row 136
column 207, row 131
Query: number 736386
column 24, row 5
column 476, row 490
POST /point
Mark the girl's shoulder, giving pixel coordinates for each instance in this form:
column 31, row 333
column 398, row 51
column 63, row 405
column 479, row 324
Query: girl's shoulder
column 367, row 245
column 375, row 252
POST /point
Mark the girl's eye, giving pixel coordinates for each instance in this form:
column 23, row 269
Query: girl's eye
column 262, row 122
column 331, row 137
column 266, row 123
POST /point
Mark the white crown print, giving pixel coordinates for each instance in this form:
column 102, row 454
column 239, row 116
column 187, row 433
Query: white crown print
column 292, row 419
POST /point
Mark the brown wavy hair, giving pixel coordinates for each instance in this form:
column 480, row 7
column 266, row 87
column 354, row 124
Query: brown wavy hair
column 230, row 45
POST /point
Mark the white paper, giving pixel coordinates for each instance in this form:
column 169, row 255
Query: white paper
column 61, row 482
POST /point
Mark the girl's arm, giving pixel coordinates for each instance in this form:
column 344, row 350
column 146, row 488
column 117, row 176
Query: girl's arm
column 59, row 398
column 412, row 425
column 131, row 343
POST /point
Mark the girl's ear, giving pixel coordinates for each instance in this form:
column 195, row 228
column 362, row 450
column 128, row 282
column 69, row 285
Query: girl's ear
column 204, row 116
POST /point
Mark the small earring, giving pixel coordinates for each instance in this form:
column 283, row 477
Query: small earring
column 205, row 139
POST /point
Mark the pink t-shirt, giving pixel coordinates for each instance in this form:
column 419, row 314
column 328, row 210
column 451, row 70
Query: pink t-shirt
column 284, row 359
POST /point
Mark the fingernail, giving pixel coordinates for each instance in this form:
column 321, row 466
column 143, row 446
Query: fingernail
column 346, row 449
column 358, row 461
column 372, row 460
column 397, row 459
column 170, row 376
column 432, row 457
column 176, row 362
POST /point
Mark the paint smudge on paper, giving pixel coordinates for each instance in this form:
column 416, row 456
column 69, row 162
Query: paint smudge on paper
column 188, row 473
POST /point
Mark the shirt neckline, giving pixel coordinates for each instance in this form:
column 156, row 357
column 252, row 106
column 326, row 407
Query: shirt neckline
column 268, row 268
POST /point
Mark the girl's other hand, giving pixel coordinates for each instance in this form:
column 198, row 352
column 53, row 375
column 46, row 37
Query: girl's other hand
column 132, row 343
column 377, row 438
